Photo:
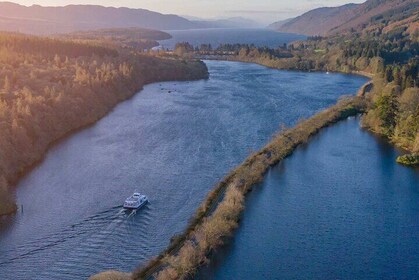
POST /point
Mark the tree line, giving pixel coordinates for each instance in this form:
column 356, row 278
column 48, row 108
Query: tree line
column 391, row 55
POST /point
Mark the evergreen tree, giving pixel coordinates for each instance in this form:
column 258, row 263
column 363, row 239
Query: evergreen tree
column 388, row 108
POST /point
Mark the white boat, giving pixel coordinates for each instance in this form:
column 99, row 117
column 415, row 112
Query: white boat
column 135, row 201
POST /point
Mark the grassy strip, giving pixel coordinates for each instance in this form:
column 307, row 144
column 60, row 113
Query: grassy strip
column 208, row 229
column 111, row 275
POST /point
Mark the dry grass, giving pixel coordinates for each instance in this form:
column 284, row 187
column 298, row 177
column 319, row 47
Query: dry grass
column 210, row 228
column 111, row 275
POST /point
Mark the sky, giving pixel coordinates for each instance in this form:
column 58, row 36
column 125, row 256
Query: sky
column 264, row 11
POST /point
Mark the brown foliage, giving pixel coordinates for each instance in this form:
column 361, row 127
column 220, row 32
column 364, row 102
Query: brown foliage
column 212, row 228
column 50, row 87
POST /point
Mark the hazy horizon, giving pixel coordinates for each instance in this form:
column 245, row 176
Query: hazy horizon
column 262, row 11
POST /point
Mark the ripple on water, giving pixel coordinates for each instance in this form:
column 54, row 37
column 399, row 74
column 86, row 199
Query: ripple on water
column 172, row 146
column 338, row 208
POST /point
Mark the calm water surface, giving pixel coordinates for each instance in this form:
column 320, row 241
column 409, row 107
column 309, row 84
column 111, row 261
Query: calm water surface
column 173, row 142
column 216, row 36
column 338, row 208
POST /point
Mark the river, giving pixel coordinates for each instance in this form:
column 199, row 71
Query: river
column 338, row 208
column 172, row 141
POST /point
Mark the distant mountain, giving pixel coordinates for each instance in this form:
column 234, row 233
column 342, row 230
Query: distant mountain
column 232, row 22
column 375, row 13
column 192, row 18
column 278, row 24
column 48, row 20
column 238, row 22
column 324, row 21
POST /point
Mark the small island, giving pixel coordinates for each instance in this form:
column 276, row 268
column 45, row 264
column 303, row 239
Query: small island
column 409, row 160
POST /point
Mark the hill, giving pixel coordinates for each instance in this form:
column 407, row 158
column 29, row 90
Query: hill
column 333, row 20
column 386, row 48
column 233, row 22
column 39, row 20
column 49, row 20
column 278, row 24
column 137, row 38
column 316, row 22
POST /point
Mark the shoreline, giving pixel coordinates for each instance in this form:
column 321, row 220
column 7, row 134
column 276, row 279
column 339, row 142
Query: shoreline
column 230, row 194
column 237, row 59
column 10, row 209
column 217, row 196
column 13, row 179
column 366, row 88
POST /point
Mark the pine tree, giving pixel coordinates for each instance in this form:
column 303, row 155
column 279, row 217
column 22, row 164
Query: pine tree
column 388, row 109
column 396, row 76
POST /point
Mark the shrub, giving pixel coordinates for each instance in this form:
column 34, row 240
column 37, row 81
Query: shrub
column 210, row 229
column 186, row 261
column 409, row 160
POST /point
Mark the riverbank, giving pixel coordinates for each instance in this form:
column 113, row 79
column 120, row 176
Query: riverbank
column 401, row 131
column 392, row 110
column 7, row 205
column 174, row 147
column 281, row 64
column 218, row 216
column 330, row 197
column 77, row 86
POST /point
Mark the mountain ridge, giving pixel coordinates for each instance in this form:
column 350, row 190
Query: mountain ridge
column 47, row 20
column 332, row 20
column 315, row 21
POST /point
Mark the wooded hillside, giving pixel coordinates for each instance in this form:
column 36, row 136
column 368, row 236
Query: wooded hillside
column 41, row 20
column 352, row 17
column 138, row 38
column 50, row 87
column 387, row 51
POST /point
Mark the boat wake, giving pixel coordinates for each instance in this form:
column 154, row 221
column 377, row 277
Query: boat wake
column 73, row 247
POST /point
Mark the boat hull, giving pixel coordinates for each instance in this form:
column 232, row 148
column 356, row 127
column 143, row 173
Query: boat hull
column 135, row 206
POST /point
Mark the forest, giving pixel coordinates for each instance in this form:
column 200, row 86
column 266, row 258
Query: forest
column 50, row 87
column 140, row 39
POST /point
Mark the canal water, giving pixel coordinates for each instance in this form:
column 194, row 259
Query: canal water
column 172, row 141
column 338, row 208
